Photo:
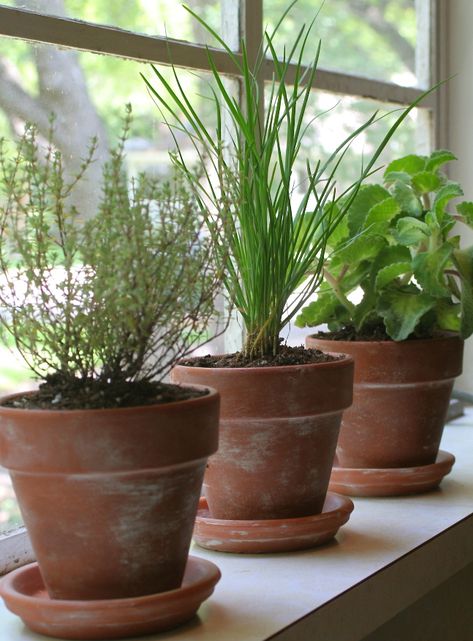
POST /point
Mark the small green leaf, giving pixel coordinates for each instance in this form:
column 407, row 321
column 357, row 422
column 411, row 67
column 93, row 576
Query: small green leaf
column 391, row 254
column 356, row 275
column 439, row 158
column 448, row 315
column 390, row 272
column 432, row 221
column 367, row 196
column 455, row 241
column 465, row 209
column 444, row 195
column 411, row 164
column 425, row 181
column 402, row 311
column 411, row 231
column 394, row 176
column 362, row 247
column 341, row 231
column 407, row 199
column 365, row 310
column 322, row 310
column 387, row 256
column 429, row 270
column 380, row 215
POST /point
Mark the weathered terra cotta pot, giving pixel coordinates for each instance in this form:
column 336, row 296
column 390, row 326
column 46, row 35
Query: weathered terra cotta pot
column 109, row 497
column 278, row 432
column 400, row 401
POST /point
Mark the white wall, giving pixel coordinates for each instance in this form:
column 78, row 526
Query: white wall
column 459, row 59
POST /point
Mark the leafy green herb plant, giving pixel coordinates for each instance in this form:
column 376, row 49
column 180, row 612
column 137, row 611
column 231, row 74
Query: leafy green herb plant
column 114, row 300
column 272, row 246
column 396, row 246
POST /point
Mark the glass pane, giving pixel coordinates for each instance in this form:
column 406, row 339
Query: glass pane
column 10, row 516
column 370, row 38
column 152, row 17
column 338, row 117
column 87, row 93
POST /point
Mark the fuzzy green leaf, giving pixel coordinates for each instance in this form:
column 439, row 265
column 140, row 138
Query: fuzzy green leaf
column 407, row 199
column 394, row 176
column 411, row 231
column 429, row 267
column 367, row 197
column 356, row 275
column 390, row 272
column 323, row 310
column 465, row 209
column 425, row 181
column 391, row 254
column 411, row 164
column 402, row 311
column 448, row 315
column 365, row 310
column 361, row 248
column 381, row 214
column 341, row 231
column 388, row 256
column 444, row 195
column 439, row 158
column 463, row 260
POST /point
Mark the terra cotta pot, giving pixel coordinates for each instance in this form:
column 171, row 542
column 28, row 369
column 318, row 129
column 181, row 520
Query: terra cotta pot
column 109, row 497
column 400, row 400
column 278, row 432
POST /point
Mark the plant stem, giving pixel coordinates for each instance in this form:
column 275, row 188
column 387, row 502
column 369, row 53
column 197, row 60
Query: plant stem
column 335, row 285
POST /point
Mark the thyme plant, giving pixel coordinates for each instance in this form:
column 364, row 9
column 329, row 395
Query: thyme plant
column 115, row 299
column 272, row 246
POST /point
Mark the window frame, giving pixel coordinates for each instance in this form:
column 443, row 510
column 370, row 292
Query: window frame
column 243, row 20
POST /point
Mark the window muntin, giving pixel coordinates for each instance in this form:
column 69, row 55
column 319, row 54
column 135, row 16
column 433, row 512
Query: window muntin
column 335, row 117
column 151, row 17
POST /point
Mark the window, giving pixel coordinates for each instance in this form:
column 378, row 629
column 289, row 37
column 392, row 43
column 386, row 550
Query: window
column 81, row 59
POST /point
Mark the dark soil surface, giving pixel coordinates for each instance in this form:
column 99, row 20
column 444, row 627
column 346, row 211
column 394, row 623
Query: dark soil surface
column 75, row 394
column 349, row 333
column 370, row 333
column 286, row 356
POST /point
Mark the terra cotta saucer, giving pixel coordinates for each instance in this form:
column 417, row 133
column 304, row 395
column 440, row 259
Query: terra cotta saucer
column 394, row 481
column 24, row 594
column 271, row 535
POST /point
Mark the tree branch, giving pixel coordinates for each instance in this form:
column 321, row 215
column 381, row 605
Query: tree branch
column 63, row 91
column 16, row 102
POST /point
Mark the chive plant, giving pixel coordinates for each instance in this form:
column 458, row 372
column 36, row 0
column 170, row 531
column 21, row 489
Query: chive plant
column 273, row 247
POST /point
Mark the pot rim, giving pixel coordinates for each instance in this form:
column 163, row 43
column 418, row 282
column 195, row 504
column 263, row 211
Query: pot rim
column 345, row 360
column 212, row 395
column 444, row 335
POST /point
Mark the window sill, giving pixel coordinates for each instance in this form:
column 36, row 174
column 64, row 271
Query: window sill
column 391, row 553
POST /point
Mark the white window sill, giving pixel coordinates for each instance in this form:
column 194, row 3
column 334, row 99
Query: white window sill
column 391, row 553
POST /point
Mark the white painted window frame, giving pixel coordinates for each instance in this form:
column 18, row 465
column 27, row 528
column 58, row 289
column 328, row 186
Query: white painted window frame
column 245, row 17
